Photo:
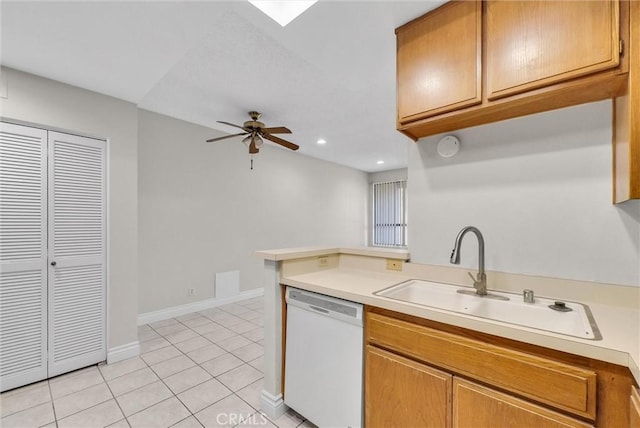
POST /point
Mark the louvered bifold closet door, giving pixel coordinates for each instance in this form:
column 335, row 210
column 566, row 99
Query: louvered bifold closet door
column 77, row 233
column 23, row 256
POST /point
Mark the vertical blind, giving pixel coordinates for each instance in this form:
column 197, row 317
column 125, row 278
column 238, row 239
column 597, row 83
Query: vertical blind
column 390, row 214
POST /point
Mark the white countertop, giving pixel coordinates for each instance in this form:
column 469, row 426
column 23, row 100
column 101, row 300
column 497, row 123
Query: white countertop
column 297, row 253
column 619, row 325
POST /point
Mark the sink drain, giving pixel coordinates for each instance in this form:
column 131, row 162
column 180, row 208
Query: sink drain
column 560, row 307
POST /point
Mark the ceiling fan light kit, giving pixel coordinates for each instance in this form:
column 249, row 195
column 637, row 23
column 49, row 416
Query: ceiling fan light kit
column 255, row 139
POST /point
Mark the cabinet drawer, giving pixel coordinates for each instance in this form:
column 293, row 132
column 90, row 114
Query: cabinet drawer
column 478, row 406
column 560, row 385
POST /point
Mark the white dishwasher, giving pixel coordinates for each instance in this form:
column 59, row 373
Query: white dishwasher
column 323, row 360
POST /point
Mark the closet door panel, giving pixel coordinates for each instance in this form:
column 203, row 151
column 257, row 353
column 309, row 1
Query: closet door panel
column 77, row 234
column 23, row 255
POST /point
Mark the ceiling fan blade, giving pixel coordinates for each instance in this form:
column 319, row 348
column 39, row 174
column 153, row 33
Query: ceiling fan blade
column 231, row 124
column 280, row 141
column 277, row 130
column 253, row 149
column 225, row 137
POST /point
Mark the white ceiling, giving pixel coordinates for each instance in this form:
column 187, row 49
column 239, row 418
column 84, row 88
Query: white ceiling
column 328, row 74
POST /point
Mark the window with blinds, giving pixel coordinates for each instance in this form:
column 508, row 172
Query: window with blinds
column 390, row 214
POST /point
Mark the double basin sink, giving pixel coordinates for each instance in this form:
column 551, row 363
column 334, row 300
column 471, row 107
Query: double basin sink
column 573, row 319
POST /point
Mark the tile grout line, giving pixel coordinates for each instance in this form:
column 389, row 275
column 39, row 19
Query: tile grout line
column 113, row 396
column 184, row 419
column 53, row 406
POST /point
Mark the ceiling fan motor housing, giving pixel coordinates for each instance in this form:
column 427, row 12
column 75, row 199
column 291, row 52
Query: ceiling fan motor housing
column 253, row 124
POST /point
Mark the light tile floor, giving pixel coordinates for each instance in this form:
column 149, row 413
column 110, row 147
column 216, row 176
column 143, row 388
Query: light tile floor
column 200, row 369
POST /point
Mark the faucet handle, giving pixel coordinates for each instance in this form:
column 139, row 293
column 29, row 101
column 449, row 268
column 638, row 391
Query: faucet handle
column 472, row 277
column 528, row 296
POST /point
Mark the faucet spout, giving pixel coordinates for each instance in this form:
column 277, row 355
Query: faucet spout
column 480, row 282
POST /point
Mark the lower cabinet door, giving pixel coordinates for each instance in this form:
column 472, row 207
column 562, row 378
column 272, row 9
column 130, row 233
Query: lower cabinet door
column 477, row 406
column 403, row 393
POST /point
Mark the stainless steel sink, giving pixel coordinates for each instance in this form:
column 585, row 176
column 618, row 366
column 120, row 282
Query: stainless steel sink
column 576, row 320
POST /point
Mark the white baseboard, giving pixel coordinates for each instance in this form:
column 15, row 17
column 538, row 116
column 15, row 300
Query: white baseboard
column 122, row 352
column 273, row 406
column 177, row 311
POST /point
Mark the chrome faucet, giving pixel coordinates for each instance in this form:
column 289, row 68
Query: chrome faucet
column 480, row 282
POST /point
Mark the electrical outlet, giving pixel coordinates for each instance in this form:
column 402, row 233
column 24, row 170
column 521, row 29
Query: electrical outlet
column 393, row 264
column 323, row 261
column 191, row 291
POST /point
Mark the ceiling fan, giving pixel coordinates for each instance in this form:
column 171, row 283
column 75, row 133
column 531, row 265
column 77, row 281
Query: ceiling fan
column 255, row 132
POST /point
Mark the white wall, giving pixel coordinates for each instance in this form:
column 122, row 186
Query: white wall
column 538, row 187
column 56, row 105
column 202, row 210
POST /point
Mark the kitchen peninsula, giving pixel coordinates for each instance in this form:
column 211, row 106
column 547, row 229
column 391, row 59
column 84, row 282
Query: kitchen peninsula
column 355, row 274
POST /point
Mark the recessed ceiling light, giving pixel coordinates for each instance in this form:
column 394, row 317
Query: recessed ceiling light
column 380, row 162
column 321, row 141
column 283, row 12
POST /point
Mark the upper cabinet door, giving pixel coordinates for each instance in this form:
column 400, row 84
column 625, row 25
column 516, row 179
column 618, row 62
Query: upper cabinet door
column 439, row 61
column 530, row 44
column 634, row 410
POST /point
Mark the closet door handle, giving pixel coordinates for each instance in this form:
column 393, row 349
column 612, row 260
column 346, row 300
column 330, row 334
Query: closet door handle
column 53, row 263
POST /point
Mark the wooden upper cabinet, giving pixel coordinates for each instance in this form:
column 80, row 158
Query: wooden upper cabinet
column 626, row 120
column 471, row 63
column 439, row 61
column 634, row 409
column 531, row 44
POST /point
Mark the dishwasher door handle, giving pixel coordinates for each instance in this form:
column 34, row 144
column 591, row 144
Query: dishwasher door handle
column 315, row 308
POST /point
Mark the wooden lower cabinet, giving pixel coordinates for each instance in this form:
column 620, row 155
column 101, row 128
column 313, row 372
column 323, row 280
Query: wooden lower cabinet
column 403, row 393
column 420, row 373
column 477, row 406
